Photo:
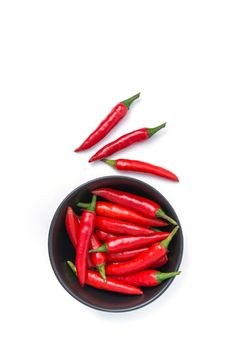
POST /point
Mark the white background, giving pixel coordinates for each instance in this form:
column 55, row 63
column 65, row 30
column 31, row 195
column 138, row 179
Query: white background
column 64, row 65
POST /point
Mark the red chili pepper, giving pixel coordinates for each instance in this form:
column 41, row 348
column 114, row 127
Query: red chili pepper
column 95, row 280
column 142, row 261
column 86, row 229
column 147, row 278
column 141, row 204
column 160, row 262
column 104, row 236
column 125, row 141
column 98, row 258
column 131, row 254
column 113, row 118
column 72, row 224
column 142, row 167
column 116, row 211
column 115, row 245
column 122, row 227
column 125, row 256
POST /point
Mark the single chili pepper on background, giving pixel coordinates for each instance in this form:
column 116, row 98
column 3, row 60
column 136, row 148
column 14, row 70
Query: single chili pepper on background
column 113, row 118
column 105, row 236
column 98, row 258
column 95, row 280
column 121, row 244
column 135, row 202
column 143, row 260
column 147, row 278
column 125, row 141
column 119, row 212
column 72, row 224
column 121, row 227
column 125, row 255
column 86, row 229
column 142, row 167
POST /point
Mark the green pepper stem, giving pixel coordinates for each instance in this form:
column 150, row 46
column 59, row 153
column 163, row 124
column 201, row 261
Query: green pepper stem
column 92, row 205
column 72, row 266
column 161, row 214
column 102, row 248
column 83, row 205
column 155, row 229
column 129, row 100
column 102, row 271
column 161, row 276
column 152, row 131
column 110, row 162
column 165, row 243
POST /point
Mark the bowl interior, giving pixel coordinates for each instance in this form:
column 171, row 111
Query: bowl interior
column 61, row 249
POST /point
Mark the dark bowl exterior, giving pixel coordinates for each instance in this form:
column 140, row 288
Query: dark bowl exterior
column 61, row 249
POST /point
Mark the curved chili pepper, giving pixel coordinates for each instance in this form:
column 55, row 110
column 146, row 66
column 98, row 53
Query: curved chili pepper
column 147, row 278
column 125, row 141
column 86, row 229
column 143, row 260
column 115, row 245
column 113, row 118
column 142, row 167
column 129, row 200
column 72, row 224
column 121, row 227
column 119, row 212
column 104, row 236
column 98, row 258
column 95, row 280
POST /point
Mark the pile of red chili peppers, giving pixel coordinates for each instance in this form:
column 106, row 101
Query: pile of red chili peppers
column 124, row 141
column 118, row 244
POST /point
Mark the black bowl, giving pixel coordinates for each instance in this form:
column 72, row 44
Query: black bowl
column 61, row 249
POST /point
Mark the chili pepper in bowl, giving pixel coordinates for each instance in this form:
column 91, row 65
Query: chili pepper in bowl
column 72, row 224
column 119, row 212
column 87, row 224
column 95, row 280
column 125, row 141
column 113, row 118
column 98, row 258
column 144, row 260
column 147, row 278
column 140, row 204
column 141, row 167
column 118, row 227
column 121, row 244
column 105, row 236
column 125, row 255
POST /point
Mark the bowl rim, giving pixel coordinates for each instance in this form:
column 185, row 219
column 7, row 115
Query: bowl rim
column 53, row 264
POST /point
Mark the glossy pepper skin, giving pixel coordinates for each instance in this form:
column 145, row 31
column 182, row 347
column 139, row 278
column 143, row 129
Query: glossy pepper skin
column 95, row 280
column 121, row 227
column 140, row 204
column 141, row 167
column 143, row 260
column 87, row 225
column 119, row 212
column 125, row 141
column 72, row 224
column 113, row 118
column 99, row 258
column 121, row 244
column 147, row 278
